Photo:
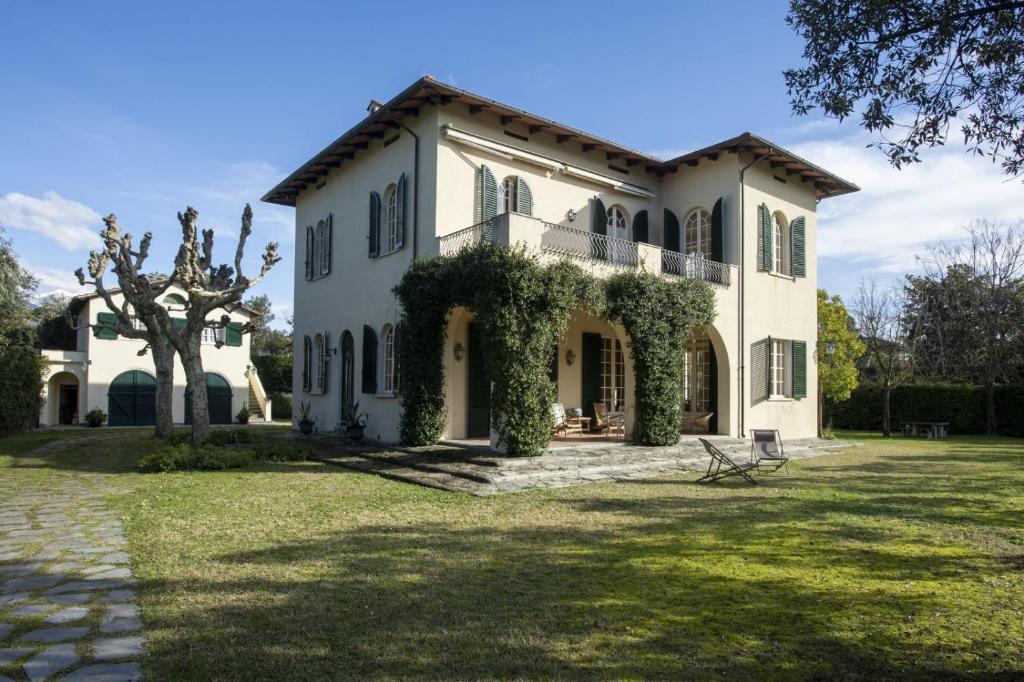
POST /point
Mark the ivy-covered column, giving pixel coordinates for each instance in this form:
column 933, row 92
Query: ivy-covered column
column 659, row 315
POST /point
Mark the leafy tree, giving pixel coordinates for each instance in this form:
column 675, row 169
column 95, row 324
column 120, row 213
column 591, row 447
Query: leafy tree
column 916, row 66
column 941, row 306
column 265, row 340
column 16, row 288
column 21, row 367
column 52, row 318
column 838, row 350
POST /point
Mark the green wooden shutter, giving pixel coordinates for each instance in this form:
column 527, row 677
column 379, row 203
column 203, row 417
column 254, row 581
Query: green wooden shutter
column 524, row 197
column 178, row 322
column 488, row 194
column 233, row 335
column 798, row 239
column 400, row 210
column 759, row 374
column 799, row 369
column 307, row 361
column 713, row 388
column 717, row 233
column 327, row 235
column 671, row 239
column 641, row 232
column 369, row 359
column 108, row 331
column 373, row 237
column 309, row 252
column 599, row 225
column 764, row 239
column 590, row 366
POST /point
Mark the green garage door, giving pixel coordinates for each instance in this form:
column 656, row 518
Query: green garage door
column 131, row 400
column 218, row 400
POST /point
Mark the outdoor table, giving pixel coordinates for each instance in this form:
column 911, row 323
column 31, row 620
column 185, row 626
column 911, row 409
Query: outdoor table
column 584, row 422
column 928, row 429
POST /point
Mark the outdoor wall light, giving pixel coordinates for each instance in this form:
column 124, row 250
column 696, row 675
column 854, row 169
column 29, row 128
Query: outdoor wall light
column 459, row 352
column 571, row 215
column 570, row 357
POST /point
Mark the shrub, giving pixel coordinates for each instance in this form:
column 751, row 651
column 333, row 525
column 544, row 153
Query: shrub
column 21, row 384
column 282, row 405
column 180, row 456
column 231, row 437
column 95, row 417
column 283, row 452
column 243, row 414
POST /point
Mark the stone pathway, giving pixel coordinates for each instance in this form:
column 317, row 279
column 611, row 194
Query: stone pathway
column 67, row 597
column 481, row 473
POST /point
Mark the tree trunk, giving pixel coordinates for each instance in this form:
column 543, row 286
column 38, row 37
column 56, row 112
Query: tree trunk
column 163, row 358
column 990, row 407
column 195, row 388
column 886, row 394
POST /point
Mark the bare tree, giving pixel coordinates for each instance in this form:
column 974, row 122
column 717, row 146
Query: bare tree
column 209, row 288
column 992, row 256
column 886, row 332
column 140, row 293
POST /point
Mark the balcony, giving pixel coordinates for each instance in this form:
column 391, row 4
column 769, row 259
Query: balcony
column 597, row 252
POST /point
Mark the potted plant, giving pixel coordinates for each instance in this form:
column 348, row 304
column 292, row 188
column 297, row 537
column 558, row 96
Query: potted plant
column 95, row 417
column 243, row 414
column 305, row 422
column 354, row 421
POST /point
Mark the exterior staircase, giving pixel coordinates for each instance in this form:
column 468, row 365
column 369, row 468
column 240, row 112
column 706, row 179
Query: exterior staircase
column 259, row 404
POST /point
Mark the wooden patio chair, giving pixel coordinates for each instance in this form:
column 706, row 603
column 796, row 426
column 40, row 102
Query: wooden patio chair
column 561, row 425
column 697, row 423
column 767, row 451
column 721, row 466
column 608, row 422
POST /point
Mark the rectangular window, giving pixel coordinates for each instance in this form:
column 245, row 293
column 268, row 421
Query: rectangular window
column 212, row 336
column 613, row 375
column 781, row 386
column 138, row 324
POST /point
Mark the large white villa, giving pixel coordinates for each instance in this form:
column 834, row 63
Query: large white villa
column 104, row 370
column 420, row 174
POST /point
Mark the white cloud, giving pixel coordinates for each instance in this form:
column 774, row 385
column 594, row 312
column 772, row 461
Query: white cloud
column 56, row 280
column 898, row 212
column 220, row 204
column 69, row 223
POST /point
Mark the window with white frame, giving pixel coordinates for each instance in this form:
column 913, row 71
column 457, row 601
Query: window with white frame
column 613, row 375
column 390, row 218
column 618, row 220
column 212, row 337
column 508, row 195
column 698, row 232
column 138, row 325
column 388, row 378
column 780, row 245
column 779, row 381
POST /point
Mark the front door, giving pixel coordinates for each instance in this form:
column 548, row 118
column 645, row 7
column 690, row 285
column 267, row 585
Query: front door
column 478, row 422
column 131, row 400
column 591, row 380
column 68, row 404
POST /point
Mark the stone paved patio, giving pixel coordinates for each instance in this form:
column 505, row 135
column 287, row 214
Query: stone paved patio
column 67, row 598
column 481, row 473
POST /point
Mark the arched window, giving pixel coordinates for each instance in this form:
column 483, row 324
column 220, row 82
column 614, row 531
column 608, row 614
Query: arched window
column 508, row 195
column 618, row 220
column 174, row 299
column 307, row 364
column 698, row 232
column 348, row 369
column 780, row 244
column 390, row 218
column 319, row 364
column 388, row 359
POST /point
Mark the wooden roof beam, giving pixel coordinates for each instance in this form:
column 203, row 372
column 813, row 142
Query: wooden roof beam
column 534, row 129
column 509, row 118
column 477, row 108
column 589, row 146
column 563, row 138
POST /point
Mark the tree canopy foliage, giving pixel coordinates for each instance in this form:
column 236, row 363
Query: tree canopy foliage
column 913, row 68
column 839, row 347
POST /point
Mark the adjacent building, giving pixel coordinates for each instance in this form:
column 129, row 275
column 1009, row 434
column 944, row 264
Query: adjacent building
column 437, row 168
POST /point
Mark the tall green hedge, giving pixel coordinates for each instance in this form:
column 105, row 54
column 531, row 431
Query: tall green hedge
column 21, row 385
column 962, row 405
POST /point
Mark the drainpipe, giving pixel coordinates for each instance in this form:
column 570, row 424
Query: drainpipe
column 740, row 290
column 415, row 193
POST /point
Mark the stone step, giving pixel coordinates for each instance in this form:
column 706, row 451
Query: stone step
column 432, row 479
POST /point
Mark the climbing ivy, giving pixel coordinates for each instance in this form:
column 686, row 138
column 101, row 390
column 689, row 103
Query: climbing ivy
column 523, row 308
column 659, row 317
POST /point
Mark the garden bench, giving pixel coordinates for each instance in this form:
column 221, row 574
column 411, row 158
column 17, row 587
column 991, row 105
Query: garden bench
column 927, row 429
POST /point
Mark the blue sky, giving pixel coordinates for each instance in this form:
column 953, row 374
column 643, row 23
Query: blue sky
column 141, row 109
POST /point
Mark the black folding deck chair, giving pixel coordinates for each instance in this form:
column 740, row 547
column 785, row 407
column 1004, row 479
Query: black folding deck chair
column 722, row 467
column 766, row 451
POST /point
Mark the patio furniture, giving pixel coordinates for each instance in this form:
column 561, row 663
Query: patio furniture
column 721, row 466
column 562, row 424
column 608, row 422
column 696, row 422
column 767, row 451
column 577, row 424
column 927, row 429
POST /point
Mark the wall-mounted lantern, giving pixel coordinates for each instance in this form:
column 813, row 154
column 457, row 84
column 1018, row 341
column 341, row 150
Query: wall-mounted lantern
column 571, row 215
column 570, row 357
column 459, row 352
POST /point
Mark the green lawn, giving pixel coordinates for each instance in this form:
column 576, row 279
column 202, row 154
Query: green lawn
column 892, row 559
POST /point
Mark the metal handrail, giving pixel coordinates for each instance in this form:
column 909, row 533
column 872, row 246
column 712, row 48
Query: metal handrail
column 695, row 266
column 568, row 241
column 465, row 238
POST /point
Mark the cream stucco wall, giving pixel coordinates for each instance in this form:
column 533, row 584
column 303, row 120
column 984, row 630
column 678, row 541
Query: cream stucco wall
column 97, row 362
column 358, row 290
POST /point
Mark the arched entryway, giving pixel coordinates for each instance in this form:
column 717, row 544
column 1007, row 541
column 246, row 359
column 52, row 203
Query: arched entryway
column 131, row 400
column 704, row 384
column 348, row 371
column 478, row 386
column 218, row 400
column 62, row 398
